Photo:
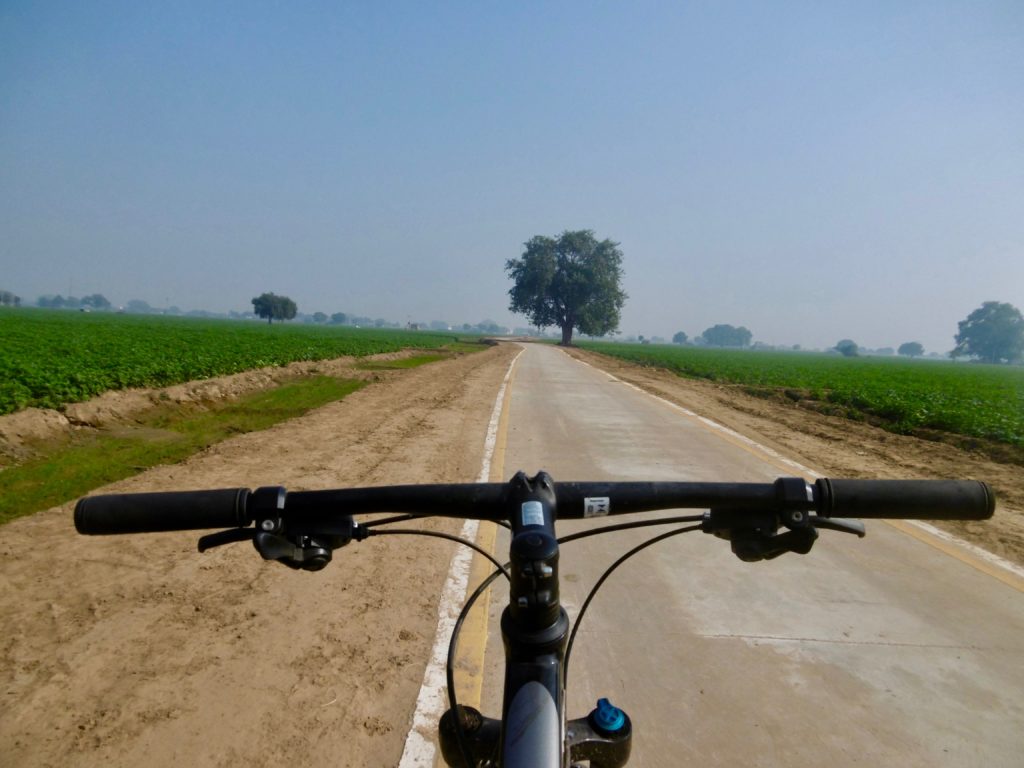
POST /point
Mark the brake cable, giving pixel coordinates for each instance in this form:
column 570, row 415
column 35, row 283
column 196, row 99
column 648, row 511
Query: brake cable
column 450, row 537
column 405, row 518
column 627, row 526
column 453, row 704
column 502, row 570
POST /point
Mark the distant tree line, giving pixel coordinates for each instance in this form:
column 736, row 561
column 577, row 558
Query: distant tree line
column 721, row 335
column 993, row 333
column 93, row 301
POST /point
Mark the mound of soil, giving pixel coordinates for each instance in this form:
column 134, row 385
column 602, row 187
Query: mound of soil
column 22, row 431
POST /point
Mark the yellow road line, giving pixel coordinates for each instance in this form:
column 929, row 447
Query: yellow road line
column 964, row 556
column 469, row 671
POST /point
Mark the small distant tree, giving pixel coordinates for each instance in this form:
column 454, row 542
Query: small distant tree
column 8, row 299
column 911, row 349
column 993, row 333
column 727, row 336
column 274, row 307
column 572, row 281
column 138, row 306
column 339, row 318
column 679, row 338
column 319, row 317
column 847, row 348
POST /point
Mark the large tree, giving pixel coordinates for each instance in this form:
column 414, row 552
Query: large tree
column 847, row 348
column 993, row 333
column 274, row 307
column 572, row 282
column 727, row 336
column 911, row 349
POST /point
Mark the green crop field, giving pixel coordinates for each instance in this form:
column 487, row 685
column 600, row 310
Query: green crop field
column 49, row 358
column 985, row 401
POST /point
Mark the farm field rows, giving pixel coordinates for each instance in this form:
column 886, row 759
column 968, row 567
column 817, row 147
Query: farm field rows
column 50, row 358
column 983, row 401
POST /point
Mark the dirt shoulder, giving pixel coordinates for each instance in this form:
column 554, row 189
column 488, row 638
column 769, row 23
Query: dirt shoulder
column 838, row 447
column 136, row 650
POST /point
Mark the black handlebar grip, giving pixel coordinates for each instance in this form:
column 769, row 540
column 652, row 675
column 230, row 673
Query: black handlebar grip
column 906, row 499
column 154, row 512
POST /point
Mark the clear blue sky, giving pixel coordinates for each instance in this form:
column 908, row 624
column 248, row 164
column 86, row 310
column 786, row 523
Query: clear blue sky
column 810, row 170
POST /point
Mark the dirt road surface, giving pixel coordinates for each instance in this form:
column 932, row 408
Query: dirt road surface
column 133, row 651
column 136, row 650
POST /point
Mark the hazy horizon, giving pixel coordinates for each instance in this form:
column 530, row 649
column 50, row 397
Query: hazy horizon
column 812, row 173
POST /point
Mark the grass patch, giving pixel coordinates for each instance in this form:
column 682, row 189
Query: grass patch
column 454, row 349
column 166, row 435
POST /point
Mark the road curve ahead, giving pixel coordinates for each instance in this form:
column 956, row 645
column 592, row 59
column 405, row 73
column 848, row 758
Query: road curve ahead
column 877, row 651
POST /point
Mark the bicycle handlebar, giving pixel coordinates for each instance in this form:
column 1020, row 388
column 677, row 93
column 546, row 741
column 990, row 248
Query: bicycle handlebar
column 760, row 520
column 232, row 507
column 907, row 499
column 157, row 512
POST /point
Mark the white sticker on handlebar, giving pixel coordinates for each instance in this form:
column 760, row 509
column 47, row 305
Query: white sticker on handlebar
column 533, row 513
column 596, row 506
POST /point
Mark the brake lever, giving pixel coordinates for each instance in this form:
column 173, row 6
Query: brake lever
column 299, row 552
column 840, row 524
column 752, row 546
column 231, row 536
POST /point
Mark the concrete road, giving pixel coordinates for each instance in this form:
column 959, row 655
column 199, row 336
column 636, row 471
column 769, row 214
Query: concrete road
column 877, row 651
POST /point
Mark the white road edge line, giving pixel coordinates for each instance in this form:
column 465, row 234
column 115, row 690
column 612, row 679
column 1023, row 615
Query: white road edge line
column 420, row 750
column 983, row 554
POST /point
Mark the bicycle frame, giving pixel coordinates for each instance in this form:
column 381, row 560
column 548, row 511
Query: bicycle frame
column 533, row 731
